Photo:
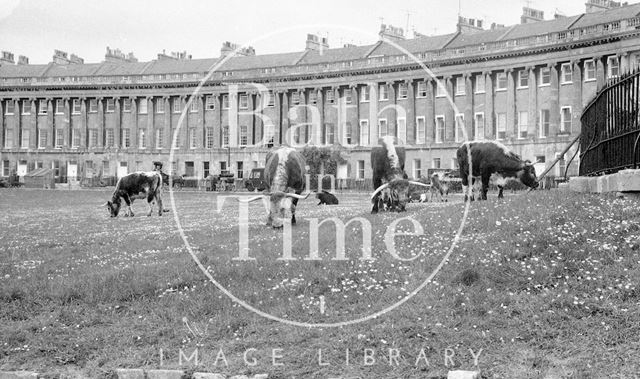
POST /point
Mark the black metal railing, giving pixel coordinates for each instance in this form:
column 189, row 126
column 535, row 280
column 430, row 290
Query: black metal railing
column 611, row 128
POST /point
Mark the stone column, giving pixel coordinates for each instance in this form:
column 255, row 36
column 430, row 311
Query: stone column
column 373, row 114
column 117, row 135
column 34, row 123
column 232, row 115
column 167, row 127
column 251, row 129
column 411, row 112
column 512, row 115
column 200, row 124
column 319, row 132
column 17, row 113
column 83, row 127
column 600, row 73
column 430, row 116
column 217, row 122
column 576, row 109
column 101, row 130
column 355, row 120
column 490, row 125
column 554, row 100
column 623, row 59
column 133, row 129
column 151, row 114
column 534, row 121
column 392, row 120
column 450, row 114
column 469, row 106
column 286, row 136
column 2, row 126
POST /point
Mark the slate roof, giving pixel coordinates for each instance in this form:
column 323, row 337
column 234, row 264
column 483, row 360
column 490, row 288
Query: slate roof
column 348, row 53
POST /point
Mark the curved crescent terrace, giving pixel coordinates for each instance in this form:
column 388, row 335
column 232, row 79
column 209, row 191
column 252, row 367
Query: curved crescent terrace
column 524, row 84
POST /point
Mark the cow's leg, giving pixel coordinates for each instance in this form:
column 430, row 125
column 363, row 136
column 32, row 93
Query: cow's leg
column 150, row 198
column 128, row 201
column 293, row 211
column 485, row 185
column 500, row 195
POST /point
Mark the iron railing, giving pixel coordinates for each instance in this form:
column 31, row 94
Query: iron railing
column 611, row 128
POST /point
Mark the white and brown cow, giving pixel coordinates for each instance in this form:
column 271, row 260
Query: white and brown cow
column 492, row 160
column 284, row 170
column 387, row 162
column 131, row 186
column 438, row 187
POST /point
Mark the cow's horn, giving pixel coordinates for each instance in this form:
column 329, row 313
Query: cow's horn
column 379, row 189
column 420, row 184
column 249, row 200
column 105, row 204
column 300, row 197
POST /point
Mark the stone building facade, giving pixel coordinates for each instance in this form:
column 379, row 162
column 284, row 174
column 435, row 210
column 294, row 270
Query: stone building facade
column 524, row 85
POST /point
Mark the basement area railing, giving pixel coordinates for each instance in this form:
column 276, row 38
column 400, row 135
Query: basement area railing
column 610, row 136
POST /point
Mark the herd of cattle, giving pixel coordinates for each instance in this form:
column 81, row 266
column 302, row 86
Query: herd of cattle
column 285, row 176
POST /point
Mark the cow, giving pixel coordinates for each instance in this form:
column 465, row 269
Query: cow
column 284, row 170
column 327, row 198
column 438, row 188
column 131, row 186
column 387, row 163
column 489, row 158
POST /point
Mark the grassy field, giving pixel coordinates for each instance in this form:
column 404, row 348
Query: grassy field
column 546, row 284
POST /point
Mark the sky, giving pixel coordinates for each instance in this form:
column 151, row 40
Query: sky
column 35, row 28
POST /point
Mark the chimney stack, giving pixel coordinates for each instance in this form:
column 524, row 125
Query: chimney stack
column 117, row 56
column 469, row 25
column 593, row 6
column 531, row 15
column 22, row 60
column 229, row 48
column 391, row 32
column 316, row 43
column 6, row 57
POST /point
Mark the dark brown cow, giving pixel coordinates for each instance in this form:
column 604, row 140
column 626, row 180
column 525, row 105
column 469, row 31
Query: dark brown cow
column 493, row 158
column 387, row 162
column 284, row 170
column 132, row 186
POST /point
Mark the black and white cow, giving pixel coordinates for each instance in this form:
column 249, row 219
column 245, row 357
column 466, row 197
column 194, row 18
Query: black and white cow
column 327, row 198
column 147, row 184
column 493, row 158
column 284, row 170
column 387, row 162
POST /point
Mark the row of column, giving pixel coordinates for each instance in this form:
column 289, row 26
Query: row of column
column 256, row 118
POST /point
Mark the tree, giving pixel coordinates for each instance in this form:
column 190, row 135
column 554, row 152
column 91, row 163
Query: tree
column 322, row 160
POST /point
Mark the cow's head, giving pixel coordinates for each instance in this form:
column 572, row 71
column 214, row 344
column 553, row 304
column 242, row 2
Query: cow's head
column 399, row 191
column 281, row 206
column 113, row 207
column 527, row 175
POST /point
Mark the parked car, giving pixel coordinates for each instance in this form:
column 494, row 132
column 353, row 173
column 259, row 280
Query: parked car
column 255, row 181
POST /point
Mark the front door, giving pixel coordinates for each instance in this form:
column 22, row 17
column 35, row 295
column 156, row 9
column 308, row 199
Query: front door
column 22, row 168
column 123, row 169
column 72, row 171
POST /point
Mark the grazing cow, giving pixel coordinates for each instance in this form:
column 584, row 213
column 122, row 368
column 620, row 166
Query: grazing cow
column 284, row 170
column 327, row 198
column 490, row 158
column 387, row 162
column 131, row 186
column 438, row 188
